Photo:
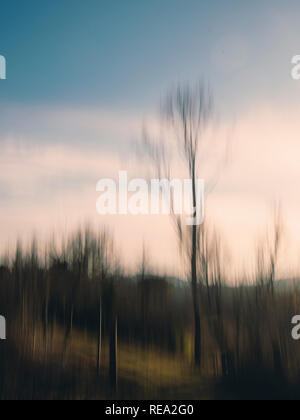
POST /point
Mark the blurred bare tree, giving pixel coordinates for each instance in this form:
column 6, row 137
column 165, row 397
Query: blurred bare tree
column 187, row 112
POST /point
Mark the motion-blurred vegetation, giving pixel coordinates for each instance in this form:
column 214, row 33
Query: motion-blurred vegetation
column 79, row 328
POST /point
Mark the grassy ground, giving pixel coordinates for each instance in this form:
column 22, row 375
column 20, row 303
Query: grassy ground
column 38, row 370
column 48, row 372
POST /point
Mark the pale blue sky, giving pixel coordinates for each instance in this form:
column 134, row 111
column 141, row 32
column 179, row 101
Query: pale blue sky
column 82, row 76
column 124, row 53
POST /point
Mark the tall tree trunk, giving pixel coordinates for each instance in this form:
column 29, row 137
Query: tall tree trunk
column 197, row 326
column 197, row 323
column 99, row 337
column 113, row 354
column 112, row 332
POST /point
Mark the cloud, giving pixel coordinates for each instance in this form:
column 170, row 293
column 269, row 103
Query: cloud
column 112, row 130
column 52, row 184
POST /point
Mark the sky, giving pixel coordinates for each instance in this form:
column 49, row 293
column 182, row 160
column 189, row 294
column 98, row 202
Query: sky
column 82, row 79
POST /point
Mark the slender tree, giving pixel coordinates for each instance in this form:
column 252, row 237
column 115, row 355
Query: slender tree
column 187, row 112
